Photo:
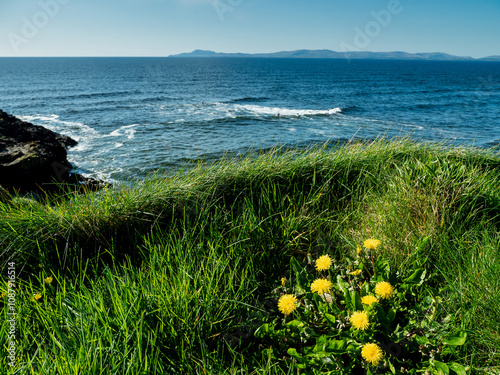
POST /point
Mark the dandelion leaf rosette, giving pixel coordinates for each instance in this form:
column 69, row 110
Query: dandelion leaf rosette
column 353, row 324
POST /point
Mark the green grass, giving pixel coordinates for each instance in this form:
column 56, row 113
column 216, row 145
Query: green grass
column 173, row 274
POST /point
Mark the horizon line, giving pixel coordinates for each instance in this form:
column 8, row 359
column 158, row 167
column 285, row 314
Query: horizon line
column 259, row 53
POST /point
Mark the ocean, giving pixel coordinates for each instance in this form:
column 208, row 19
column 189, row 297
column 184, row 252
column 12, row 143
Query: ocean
column 136, row 116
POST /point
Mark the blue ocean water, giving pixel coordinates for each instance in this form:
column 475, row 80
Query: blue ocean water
column 133, row 116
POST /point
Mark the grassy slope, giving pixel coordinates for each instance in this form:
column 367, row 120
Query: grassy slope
column 172, row 275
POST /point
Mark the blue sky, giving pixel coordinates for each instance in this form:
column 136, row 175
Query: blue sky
column 164, row 27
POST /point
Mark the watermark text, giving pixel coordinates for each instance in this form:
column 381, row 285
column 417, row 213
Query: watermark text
column 12, row 313
column 31, row 26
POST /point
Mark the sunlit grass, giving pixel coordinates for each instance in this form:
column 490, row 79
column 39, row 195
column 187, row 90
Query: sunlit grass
column 170, row 274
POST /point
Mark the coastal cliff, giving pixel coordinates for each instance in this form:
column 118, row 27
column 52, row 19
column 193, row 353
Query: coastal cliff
column 35, row 158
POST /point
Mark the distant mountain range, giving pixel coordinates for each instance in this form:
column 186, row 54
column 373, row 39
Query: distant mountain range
column 328, row 54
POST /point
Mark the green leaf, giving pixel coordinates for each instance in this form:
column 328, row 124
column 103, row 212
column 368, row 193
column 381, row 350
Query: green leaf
column 381, row 316
column 382, row 268
column 457, row 337
column 420, row 260
column 296, row 323
column 457, row 368
column 318, row 301
column 422, row 340
column 321, row 343
column 330, row 319
column 295, row 265
column 441, row 368
column 356, row 301
column 293, row 353
column 417, row 277
column 351, row 348
column 347, row 301
column 391, row 366
column 336, row 346
column 326, row 347
column 391, row 314
column 343, row 285
column 422, row 244
column 264, row 330
column 301, row 283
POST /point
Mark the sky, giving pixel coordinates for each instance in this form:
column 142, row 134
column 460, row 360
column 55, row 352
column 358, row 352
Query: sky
column 165, row 27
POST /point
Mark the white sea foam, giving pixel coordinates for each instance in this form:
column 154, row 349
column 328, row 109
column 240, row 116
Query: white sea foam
column 81, row 146
column 37, row 117
column 277, row 111
column 76, row 130
column 219, row 111
column 122, row 131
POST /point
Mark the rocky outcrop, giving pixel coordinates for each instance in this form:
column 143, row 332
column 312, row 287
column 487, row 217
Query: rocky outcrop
column 33, row 157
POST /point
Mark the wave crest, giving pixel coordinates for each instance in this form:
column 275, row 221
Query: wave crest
column 277, row 111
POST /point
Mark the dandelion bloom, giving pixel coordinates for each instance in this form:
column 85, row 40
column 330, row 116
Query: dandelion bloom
column 358, row 250
column 36, row 297
column 368, row 300
column 355, row 273
column 321, row 286
column 49, row 280
column 372, row 353
column 323, row 263
column 384, row 290
column 359, row 320
column 371, row 244
column 283, row 281
column 287, row 304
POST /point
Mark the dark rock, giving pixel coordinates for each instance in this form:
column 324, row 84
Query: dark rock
column 35, row 158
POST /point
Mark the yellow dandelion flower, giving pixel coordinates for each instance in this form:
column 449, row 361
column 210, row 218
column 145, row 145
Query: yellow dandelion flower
column 321, row 286
column 358, row 250
column 48, row 280
column 287, row 304
column 368, row 300
column 384, row 290
column 371, row 244
column 323, row 263
column 283, row 281
column 372, row 353
column 359, row 320
column 36, row 297
column 355, row 273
